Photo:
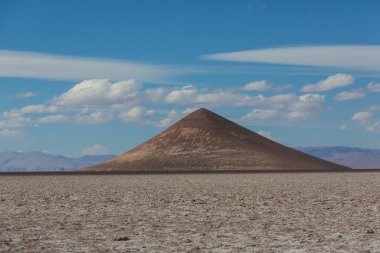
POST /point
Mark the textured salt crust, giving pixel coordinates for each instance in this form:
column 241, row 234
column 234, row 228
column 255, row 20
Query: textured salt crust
column 287, row 212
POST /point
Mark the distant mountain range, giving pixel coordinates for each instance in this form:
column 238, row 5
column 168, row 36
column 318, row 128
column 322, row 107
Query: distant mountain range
column 37, row 161
column 356, row 158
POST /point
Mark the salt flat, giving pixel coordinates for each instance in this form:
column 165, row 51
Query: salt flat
column 274, row 212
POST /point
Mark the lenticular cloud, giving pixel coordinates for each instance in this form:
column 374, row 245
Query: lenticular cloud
column 354, row 56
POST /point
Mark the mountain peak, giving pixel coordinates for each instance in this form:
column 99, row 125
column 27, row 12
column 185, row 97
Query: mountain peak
column 201, row 110
column 203, row 119
column 204, row 140
column 201, row 114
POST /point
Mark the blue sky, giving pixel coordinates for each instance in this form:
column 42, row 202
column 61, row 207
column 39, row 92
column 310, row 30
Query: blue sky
column 93, row 77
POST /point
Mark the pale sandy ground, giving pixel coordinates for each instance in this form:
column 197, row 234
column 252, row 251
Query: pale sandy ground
column 298, row 212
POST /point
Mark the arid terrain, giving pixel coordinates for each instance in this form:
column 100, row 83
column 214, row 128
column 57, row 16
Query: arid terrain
column 264, row 212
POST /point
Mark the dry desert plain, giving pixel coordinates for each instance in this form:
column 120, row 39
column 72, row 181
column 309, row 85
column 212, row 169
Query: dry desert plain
column 264, row 212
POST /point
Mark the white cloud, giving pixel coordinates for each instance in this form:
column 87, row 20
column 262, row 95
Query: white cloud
column 267, row 135
column 191, row 95
column 39, row 108
column 15, row 122
column 170, row 118
column 344, row 56
column 10, row 134
column 127, row 94
column 96, row 117
column 283, row 87
column 332, row 82
column 47, row 66
column 263, row 85
column 279, row 101
column 30, row 109
column 367, row 120
column 173, row 115
column 375, row 126
column 144, row 115
column 97, row 101
column 96, row 149
column 362, row 116
column 182, row 95
column 261, row 114
column 24, row 95
column 58, row 118
column 308, row 106
column 374, row 108
column 289, row 107
column 343, row 127
column 349, row 95
column 373, row 87
column 155, row 95
column 99, row 92
column 137, row 113
column 100, row 100
column 102, row 93
column 189, row 110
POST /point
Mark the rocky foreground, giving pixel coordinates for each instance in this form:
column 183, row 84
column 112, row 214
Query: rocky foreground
column 284, row 212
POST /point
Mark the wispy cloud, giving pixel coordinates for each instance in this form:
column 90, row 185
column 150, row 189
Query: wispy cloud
column 340, row 56
column 261, row 114
column 358, row 93
column 267, row 134
column 374, row 108
column 332, row 82
column 48, row 66
column 137, row 113
column 24, row 95
column 97, row 101
column 373, row 87
column 368, row 120
column 10, row 134
column 264, row 85
column 350, row 95
column 362, row 116
column 58, row 118
column 96, row 149
column 304, row 107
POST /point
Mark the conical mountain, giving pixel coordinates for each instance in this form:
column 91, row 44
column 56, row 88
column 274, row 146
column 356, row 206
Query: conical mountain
column 203, row 140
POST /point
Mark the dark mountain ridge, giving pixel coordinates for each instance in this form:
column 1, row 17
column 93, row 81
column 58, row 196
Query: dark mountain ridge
column 356, row 158
column 11, row 161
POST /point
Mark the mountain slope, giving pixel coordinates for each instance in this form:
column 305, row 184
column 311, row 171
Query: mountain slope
column 356, row 158
column 38, row 161
column 204, row 140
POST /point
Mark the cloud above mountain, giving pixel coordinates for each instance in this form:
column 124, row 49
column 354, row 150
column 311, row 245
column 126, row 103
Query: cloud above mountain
column 264, row 85
column 49, row 66
column 99, row 101
column 96, row 149
column 338, row 56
